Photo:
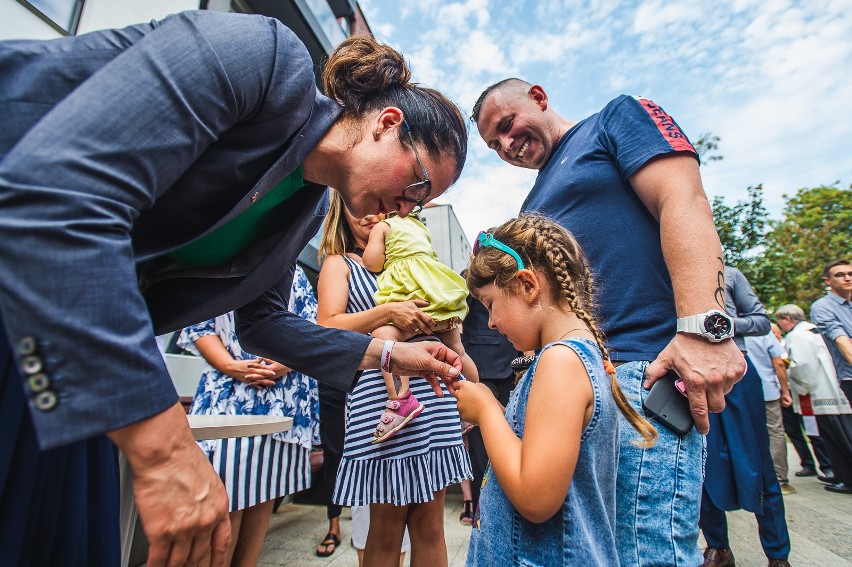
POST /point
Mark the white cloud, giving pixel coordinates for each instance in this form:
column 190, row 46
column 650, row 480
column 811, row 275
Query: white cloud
column 489, row 192
column 656, row 16
column 768, row 76
column 479, row 52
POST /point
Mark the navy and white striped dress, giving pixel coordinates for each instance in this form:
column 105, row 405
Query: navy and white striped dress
column 263, row 467
column 424, row 457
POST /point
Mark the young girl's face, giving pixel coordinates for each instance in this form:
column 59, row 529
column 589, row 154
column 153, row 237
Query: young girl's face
column 510, row 314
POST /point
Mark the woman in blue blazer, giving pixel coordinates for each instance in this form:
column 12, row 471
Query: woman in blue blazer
column 154, row 177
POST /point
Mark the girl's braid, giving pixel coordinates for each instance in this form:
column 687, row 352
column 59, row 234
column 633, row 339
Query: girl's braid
column 563, row 255
column 559, row 257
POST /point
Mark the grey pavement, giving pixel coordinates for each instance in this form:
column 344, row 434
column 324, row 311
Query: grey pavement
column 820, row 525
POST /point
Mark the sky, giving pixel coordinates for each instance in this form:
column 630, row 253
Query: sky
column 771, row 78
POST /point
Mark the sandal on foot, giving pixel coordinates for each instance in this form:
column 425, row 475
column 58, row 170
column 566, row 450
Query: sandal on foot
column 466, row 517
column 329, row 545
column 396, row 416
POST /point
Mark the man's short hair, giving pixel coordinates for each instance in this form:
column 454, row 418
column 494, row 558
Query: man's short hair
column 477, row 108
column 826, row 273
column 790, row 311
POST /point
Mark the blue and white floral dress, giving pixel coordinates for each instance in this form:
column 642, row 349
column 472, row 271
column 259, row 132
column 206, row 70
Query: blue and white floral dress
column 260, row 468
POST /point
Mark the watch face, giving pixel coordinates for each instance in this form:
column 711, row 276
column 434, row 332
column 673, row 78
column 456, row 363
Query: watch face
column 717, row 325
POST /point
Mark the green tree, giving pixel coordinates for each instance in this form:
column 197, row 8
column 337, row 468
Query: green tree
column 706, row 146
column 816, row 229
column 741, row 226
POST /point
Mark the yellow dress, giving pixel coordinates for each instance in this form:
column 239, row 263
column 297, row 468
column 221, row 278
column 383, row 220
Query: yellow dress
column 412, row 271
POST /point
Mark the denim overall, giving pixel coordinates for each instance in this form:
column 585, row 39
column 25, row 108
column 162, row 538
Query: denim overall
column 583, row 531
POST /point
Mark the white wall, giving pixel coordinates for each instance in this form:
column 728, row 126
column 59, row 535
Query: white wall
column 18, row 22
column 101, row 14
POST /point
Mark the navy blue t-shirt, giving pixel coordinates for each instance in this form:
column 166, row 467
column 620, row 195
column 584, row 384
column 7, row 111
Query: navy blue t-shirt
column 584, row 187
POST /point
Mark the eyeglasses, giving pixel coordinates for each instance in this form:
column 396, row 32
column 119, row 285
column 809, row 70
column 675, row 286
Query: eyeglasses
column 416, row 192
column 484, row 239
column 841, row 275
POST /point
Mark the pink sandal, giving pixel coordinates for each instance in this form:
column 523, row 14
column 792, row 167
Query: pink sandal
column 396, row 416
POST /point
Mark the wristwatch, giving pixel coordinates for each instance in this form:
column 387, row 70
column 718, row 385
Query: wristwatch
column 714, row 325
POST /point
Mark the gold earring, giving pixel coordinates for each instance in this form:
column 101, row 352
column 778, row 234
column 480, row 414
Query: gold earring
column 377, row 134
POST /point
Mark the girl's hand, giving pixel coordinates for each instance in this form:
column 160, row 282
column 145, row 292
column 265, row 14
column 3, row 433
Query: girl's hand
column 407, row 316
column 473, row 400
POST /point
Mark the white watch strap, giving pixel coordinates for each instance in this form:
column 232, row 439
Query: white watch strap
column 691, row 324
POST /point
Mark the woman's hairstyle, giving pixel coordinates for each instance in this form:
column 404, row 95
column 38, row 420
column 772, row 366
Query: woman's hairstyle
column 364, row 75
column 550, row 250
column 337, row 238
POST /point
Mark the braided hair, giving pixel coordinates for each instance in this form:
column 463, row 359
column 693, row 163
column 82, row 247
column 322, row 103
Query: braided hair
column 549, row 249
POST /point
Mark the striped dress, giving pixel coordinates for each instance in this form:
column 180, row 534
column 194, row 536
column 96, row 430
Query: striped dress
column 260, row 468
column 424, row 457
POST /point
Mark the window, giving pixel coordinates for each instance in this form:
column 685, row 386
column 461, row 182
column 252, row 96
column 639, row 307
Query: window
column 62, row 15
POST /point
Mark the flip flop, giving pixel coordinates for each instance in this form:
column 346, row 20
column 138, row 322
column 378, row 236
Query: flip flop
column 330, row 541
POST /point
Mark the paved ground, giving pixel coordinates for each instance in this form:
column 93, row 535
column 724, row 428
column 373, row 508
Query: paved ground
column 820, row 525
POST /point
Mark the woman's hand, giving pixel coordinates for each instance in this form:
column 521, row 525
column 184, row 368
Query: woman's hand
column 251, row 372
column 407, row 316
column 473, row 399
column 259, row 369
column 431, row 359
column 181, row 500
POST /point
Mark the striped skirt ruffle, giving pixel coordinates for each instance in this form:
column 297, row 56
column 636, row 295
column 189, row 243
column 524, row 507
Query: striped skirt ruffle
column 257, row 469
column 400, row 481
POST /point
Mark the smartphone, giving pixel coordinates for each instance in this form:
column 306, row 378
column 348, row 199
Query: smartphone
column 669, row 404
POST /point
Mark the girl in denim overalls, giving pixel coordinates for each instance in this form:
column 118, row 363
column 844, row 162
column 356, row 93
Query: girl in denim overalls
column 548, row 497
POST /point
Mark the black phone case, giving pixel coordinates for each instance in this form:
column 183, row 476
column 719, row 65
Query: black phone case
column 669, row 406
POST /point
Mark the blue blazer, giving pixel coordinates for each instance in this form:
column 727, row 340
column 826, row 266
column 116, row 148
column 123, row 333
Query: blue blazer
column 120, row 146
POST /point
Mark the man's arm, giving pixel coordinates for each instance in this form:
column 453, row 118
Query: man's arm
column 844, row 345
column 670, row 188
column 750, row 318
column 781, row 372
column 832, row 330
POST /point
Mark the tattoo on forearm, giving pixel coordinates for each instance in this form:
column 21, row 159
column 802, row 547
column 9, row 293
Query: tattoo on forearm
column 720, row 285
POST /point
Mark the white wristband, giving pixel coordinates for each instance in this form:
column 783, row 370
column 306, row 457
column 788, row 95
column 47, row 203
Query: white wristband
column 386, row 355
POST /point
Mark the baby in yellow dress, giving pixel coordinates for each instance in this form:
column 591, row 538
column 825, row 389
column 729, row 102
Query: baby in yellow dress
column 401, row 249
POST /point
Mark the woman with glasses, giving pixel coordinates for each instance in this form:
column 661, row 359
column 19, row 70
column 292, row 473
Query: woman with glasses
column 400, row 251
column 185, row 192
column 404, row 479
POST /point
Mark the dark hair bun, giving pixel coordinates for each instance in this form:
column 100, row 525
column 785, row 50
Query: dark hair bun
column 361, row 68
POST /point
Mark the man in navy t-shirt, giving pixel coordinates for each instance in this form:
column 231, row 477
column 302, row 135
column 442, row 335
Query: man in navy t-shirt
column 625, row 181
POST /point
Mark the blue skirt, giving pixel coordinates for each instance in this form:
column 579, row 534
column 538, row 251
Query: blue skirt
column 57, row 507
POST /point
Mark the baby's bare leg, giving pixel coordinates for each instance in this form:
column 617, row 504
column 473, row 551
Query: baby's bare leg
column 452, row 339
column 396, row 385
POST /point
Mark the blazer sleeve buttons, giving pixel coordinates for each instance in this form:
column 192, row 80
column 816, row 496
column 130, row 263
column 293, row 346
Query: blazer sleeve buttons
column 26, row 346
column 31, row 364
column 38, row 383
column 45, row 401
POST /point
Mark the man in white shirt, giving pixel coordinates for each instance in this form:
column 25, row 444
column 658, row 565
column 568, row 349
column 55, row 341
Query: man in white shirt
column 814, row 379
